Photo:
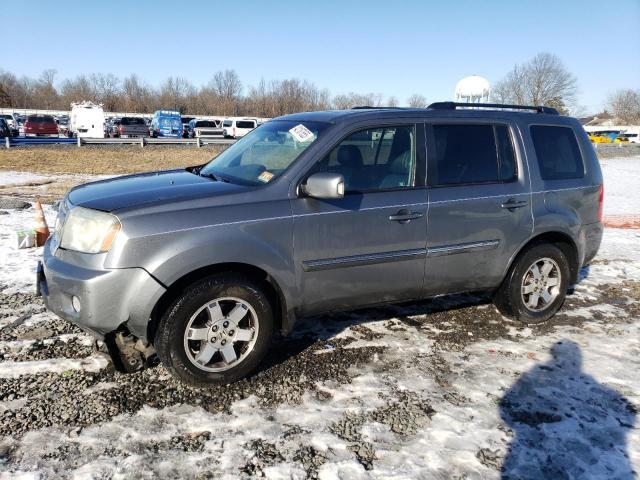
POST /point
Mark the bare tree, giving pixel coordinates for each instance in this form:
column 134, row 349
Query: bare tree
column 625, row 105
column 544, row 80
column 228, row 87
column 107, row 90
column 175, row 93
column 44, row 91
column 350, row 100
column 392, row 102
column 417, row 101
column 77, row 90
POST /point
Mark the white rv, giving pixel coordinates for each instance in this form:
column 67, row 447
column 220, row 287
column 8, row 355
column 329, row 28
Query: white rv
column 86, row 120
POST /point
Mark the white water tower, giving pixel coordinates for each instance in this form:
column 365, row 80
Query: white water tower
column 473, row 89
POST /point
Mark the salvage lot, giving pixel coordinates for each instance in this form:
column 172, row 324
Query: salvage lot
column 445, row 388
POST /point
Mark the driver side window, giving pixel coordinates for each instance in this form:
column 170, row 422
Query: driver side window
column 374, row 159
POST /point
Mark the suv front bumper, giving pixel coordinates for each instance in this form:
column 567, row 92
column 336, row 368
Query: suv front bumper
column 107, row 298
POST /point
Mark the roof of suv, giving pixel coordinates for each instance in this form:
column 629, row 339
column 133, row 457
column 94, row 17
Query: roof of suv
column 442, row 109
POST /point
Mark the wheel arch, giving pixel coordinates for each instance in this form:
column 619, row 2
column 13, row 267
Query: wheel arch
column 561, row 240
column 274, row 292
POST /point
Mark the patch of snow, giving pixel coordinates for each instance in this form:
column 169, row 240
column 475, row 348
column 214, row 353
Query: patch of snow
column 93, row 363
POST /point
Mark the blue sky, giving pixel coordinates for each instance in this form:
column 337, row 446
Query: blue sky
column 391, row 47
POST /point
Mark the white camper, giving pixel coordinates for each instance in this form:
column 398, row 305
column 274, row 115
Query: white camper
column 86, row 120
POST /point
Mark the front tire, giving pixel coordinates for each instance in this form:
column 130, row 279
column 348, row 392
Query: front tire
column 216, row 332
column 536, row 286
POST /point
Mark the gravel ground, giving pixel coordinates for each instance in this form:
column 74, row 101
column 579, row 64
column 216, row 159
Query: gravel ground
column 322, row 356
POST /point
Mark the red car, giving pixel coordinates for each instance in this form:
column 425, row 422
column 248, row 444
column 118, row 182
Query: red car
column 40, row 126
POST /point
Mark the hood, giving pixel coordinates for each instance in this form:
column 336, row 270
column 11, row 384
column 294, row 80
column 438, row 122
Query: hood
column 148, row 188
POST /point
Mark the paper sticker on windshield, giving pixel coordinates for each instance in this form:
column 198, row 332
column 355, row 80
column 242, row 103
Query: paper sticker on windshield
column 265, row 177
column 302, row 133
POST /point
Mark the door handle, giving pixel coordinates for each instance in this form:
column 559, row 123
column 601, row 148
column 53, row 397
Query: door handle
column 512, row 204
column 405, row 216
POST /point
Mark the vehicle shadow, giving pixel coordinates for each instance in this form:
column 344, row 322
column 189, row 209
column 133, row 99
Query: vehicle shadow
column 565, row 423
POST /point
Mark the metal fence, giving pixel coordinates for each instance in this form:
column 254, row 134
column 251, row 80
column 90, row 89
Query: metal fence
column 141, row 141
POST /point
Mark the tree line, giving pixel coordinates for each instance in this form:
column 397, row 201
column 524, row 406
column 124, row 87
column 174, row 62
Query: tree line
column 543, row 80
column 224, row 94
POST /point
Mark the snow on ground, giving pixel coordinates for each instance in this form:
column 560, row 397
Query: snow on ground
column 439, row 389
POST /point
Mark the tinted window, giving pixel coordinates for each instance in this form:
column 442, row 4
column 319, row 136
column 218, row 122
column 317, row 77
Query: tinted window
column 468, row 154
column 40, row 119
column 374, row 159
column 245, row 124
column 506, row 154
column 227, row 123
column 132, row 121
column 463, row 154
column 205, row 123
column 557, row 152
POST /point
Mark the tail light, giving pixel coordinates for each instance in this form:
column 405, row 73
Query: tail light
column 234, row 131
column 121, row 129
column 600, row 202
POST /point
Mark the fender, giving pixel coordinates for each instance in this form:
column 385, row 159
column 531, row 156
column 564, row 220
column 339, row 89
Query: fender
column 264, row 243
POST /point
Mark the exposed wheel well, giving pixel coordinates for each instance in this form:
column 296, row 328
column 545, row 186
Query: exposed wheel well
column 564, row 242
column 271, row 288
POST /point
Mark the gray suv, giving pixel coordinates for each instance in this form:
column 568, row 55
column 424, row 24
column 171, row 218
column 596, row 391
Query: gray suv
column 322, row 211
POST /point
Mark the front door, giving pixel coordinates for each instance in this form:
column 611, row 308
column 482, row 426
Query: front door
column 479, row 205
column 369, row 246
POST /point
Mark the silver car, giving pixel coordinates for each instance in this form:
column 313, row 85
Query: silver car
column 325, row 211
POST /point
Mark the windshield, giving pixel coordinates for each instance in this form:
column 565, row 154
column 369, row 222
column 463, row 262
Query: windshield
column 264, row 153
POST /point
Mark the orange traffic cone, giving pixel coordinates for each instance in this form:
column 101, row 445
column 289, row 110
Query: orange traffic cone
column 42, row 229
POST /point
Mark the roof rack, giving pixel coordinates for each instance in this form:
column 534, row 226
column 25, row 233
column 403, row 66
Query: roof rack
column 369, row 107
column 455, row 105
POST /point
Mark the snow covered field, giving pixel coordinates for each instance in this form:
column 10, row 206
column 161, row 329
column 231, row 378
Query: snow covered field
column 437, row 389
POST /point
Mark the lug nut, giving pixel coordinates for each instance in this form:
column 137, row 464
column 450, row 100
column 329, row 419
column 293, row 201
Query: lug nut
column 215, row 328
column 231, row 332
column 225, row 324
column 223, row 342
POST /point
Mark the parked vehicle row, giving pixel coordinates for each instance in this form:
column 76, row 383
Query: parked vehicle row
column 87, row 120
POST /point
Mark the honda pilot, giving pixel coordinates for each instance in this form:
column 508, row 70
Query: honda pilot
column 323, row 211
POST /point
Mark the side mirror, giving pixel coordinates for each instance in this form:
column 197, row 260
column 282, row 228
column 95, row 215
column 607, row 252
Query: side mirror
column 325, row 185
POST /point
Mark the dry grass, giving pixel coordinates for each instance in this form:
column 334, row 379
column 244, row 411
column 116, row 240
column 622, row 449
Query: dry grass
column 78, row 164
column 103, row 160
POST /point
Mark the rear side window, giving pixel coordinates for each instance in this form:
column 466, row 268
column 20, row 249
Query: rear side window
column 468, row 154
column 245, row 124
column 227, row 123
column 557, row 151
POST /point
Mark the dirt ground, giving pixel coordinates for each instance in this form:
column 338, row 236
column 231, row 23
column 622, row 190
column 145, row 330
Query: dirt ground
column 73, row 166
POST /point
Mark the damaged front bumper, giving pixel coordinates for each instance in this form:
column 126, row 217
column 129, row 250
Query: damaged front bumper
column 98, row 300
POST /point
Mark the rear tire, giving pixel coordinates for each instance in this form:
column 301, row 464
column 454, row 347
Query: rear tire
column 217, row 331
column 536, row 286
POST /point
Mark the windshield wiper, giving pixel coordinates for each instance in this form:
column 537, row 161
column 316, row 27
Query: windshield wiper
column 217, row 178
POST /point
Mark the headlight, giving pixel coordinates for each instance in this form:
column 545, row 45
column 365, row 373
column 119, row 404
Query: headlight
column 89, row 231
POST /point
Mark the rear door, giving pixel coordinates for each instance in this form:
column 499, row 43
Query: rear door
column 479, row 203
column 369, row 246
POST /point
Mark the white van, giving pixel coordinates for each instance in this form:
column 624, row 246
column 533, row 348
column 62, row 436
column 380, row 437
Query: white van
column 86, row 120
column 238, row 127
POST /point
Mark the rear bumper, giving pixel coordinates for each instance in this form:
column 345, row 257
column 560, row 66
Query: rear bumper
column 108, row 298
